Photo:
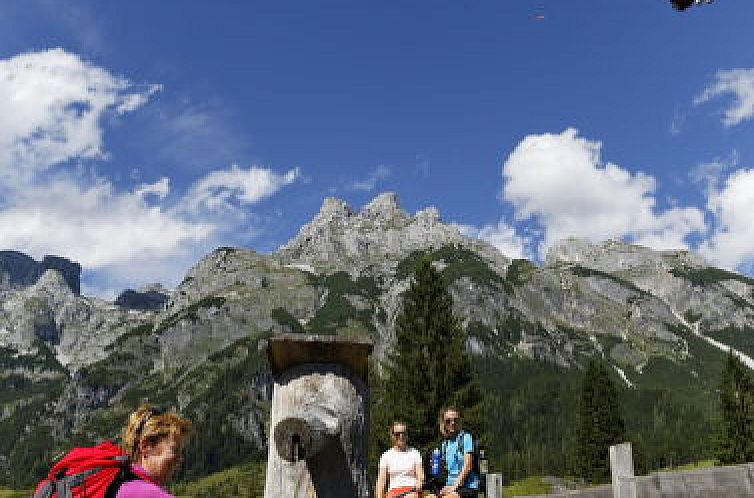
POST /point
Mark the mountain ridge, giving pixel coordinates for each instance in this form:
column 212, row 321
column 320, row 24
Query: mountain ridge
column 582, row 285
column 82, row 362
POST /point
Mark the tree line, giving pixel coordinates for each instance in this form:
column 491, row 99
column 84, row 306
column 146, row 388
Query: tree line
column 536, row 418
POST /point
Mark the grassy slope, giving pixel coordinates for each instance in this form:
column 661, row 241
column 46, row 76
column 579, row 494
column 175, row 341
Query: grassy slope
column 11, row 493
column 244, row 481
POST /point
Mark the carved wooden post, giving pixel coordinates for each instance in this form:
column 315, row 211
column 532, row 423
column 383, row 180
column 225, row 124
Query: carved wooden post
column 319, row 424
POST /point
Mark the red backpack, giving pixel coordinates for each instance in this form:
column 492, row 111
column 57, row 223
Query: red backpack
column 87, row 473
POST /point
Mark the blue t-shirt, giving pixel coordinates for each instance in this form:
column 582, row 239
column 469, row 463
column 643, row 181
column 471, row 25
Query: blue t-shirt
column 454, row 459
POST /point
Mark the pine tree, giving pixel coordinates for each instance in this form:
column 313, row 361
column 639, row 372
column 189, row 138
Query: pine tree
column 427, row 368
column 599, row 424
column 735, row 444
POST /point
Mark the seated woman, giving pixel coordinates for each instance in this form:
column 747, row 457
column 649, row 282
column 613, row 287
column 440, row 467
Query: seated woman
column 457, row 453
column 154, row 440
column 402, row 464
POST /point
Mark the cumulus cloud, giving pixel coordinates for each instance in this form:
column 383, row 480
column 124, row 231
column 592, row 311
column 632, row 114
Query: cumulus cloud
column 740, row 84
column 51, row 105
column 559, row 181
column 94, row 224
column 503, row 236
column 52, row 110
column 732, row 242
column 223, row 189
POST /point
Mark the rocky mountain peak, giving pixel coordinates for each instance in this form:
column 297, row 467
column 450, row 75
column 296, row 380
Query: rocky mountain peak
column 428, row 217
column 379, row 234
column 615, row 255
column 333, row 208
column 154, row 287
column 148, row 298
column 18, row 270
column 52, row 282
column 384, row 207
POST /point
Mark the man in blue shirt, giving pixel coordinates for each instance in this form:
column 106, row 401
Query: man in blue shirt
column 458, row 455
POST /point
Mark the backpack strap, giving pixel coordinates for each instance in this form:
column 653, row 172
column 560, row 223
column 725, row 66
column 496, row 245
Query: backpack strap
column 62, row 486
column 62, row 490
column 78, row 479
column 125, row 475
column 459, row 442
column 45, row 491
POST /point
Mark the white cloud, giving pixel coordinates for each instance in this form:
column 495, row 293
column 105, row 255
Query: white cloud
column 708, row 174
column 220, row 189
column 161, row 189
column 502, row 236
column 95, row 225
column 125, row 238
column 368, row 184
column 559, row 181
column 133, row 101
column 732, row 242
column 670, row 229
column 712, row 173
column 739, row 83
column 51, row 105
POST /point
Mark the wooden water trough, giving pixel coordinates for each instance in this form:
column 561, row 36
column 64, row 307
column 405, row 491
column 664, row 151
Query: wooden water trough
column 319, row 423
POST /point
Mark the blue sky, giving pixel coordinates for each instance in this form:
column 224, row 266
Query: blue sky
column 137, row 136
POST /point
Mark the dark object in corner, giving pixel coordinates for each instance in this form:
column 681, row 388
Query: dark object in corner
column 145, row 301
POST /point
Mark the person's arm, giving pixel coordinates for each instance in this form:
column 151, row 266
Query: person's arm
column 381, row 479
column 419, row 472
column 467, row 464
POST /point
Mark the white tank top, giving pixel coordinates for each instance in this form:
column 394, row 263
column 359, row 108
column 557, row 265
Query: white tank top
column 401, row 467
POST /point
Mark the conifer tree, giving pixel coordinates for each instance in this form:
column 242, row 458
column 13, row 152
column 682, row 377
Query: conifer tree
column 599, row 424
column 735, row 433
column 427, row 368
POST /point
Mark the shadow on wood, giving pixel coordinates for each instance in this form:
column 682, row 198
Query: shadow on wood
column 334, row 469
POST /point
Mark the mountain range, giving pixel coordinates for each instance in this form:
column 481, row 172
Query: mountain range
column 72, row 366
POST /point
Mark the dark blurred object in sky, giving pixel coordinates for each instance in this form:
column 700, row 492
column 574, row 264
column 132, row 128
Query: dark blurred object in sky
column 685, row 4
column 682, row 4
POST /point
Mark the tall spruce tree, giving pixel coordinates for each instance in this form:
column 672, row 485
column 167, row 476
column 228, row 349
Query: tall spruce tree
column 735, row 433
column 599, row 424
column 427, row 368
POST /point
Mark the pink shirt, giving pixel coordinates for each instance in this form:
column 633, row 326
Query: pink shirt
column 141, row 488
